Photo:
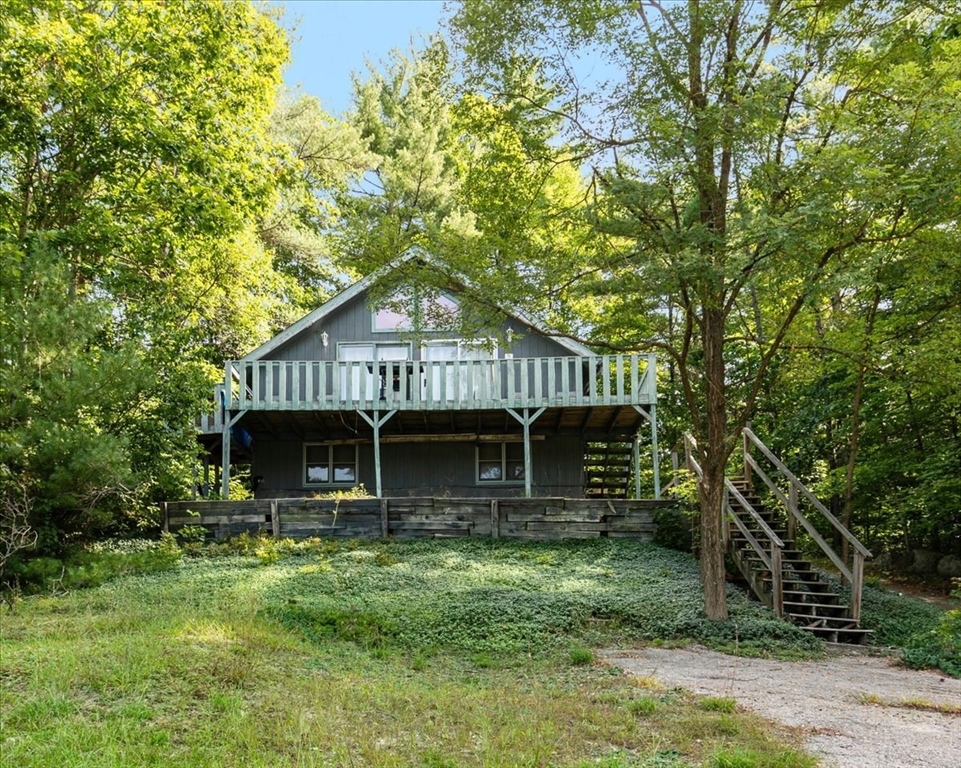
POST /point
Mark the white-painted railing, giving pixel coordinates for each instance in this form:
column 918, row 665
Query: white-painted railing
column 301, row 385
column 212, row 423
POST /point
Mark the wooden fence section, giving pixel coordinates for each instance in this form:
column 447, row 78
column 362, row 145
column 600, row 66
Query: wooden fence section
column 534, row 519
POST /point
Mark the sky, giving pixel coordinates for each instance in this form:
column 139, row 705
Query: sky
column 332, row 38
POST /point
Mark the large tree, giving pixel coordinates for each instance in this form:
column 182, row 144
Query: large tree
column 135, row 159
column 745, row 157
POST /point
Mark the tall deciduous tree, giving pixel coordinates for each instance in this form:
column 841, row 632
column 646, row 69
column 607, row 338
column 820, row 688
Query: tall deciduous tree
column 746, row 156
column 134, row 159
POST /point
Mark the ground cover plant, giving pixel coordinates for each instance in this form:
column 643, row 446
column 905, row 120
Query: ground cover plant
column 424, row 653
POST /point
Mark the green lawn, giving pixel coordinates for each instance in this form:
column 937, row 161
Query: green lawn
column 428, row 653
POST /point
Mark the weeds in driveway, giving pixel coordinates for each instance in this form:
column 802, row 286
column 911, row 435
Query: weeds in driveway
column 920, row 704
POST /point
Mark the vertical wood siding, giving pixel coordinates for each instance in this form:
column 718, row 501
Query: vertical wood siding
column 352, row 324
column 421, row 468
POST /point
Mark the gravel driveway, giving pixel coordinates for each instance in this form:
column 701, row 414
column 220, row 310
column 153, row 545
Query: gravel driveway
column 846, row 706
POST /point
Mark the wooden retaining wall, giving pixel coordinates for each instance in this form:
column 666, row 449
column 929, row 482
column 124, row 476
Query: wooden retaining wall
column 535, row 519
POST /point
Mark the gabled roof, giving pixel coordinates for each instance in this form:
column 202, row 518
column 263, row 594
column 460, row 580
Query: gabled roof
column 356, row 290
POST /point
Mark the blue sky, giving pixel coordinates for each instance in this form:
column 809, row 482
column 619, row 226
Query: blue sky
column 332, row 38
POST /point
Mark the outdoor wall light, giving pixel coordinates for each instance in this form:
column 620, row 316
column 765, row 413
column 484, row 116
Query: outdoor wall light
column 324, row 338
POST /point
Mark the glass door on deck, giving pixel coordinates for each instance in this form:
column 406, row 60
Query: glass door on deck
column 360, row 376
column 455, row 375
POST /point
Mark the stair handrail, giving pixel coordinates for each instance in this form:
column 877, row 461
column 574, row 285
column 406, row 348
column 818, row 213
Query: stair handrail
column 855, row 575
column 732, row 489
column 815, row 502
column 773, row 562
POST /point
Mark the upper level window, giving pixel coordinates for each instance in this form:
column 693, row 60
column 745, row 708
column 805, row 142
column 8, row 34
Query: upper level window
column 408, row 311
column 392, row 318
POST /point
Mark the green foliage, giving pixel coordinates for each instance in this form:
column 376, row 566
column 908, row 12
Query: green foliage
column 893, row 618
column 134, row 160
column 581, row 655
column 230, row 662
column 492, row 598
column 646, row 705
column 365, row 628
column 93, row 565
column 357, row 492
column 714, row 704
column 738, row 757
column 750, row 198
column 676, row 528
column 937, row 648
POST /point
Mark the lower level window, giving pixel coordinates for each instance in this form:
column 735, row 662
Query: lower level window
column 326, row 464
column 500, row 463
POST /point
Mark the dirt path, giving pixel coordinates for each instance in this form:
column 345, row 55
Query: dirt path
column 847, row 706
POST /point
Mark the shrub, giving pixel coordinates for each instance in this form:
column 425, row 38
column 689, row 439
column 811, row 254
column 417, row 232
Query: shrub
column 939, row 647
column 94, row 564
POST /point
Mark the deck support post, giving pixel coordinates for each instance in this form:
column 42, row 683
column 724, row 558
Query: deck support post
column 636, row 458
column 225, row 461
column 376, row 423
column 229, row 421
column 657, row 462
column 526, row 420
column 651, row 416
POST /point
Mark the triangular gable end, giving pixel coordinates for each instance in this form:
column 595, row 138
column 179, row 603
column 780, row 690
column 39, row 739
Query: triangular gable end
column 357, row 289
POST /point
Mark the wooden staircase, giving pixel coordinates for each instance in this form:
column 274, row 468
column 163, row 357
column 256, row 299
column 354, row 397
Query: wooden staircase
column 763, row 544
column 607, row 470
column 806, row 599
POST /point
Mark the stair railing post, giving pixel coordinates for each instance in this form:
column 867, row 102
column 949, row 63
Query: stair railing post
column 792, row 513
column 748, row 477
column 777, row 585
column 857, row 586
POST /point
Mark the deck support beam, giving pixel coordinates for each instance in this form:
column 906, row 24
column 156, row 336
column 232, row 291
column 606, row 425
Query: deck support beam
column 376, row 423
column 526, row 420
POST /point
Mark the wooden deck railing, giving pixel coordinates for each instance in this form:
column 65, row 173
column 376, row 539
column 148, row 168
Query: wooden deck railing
column 796, row 491
column 304, row 385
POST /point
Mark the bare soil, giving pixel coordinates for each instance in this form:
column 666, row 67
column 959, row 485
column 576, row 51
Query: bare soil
column 854, row 710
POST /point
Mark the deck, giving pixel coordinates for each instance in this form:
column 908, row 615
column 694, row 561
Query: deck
column 598, row 397
column 437, row 385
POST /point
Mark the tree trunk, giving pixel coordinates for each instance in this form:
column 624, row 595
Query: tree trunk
column 714, row 453
column 712, row 542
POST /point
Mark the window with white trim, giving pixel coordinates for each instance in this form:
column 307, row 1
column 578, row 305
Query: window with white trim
column 500, row 462
column 330, row 464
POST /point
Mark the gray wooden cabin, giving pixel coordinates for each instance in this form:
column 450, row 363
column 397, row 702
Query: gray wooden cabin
column 382, row 395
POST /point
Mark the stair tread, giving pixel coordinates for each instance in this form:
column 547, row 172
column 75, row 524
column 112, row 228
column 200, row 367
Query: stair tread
column 823, row 621
column 817, row 605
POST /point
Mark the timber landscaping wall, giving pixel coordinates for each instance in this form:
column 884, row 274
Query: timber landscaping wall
column 536, row 519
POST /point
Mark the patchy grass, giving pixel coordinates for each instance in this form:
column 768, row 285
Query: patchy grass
column 924, row 705
column 457, row 653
